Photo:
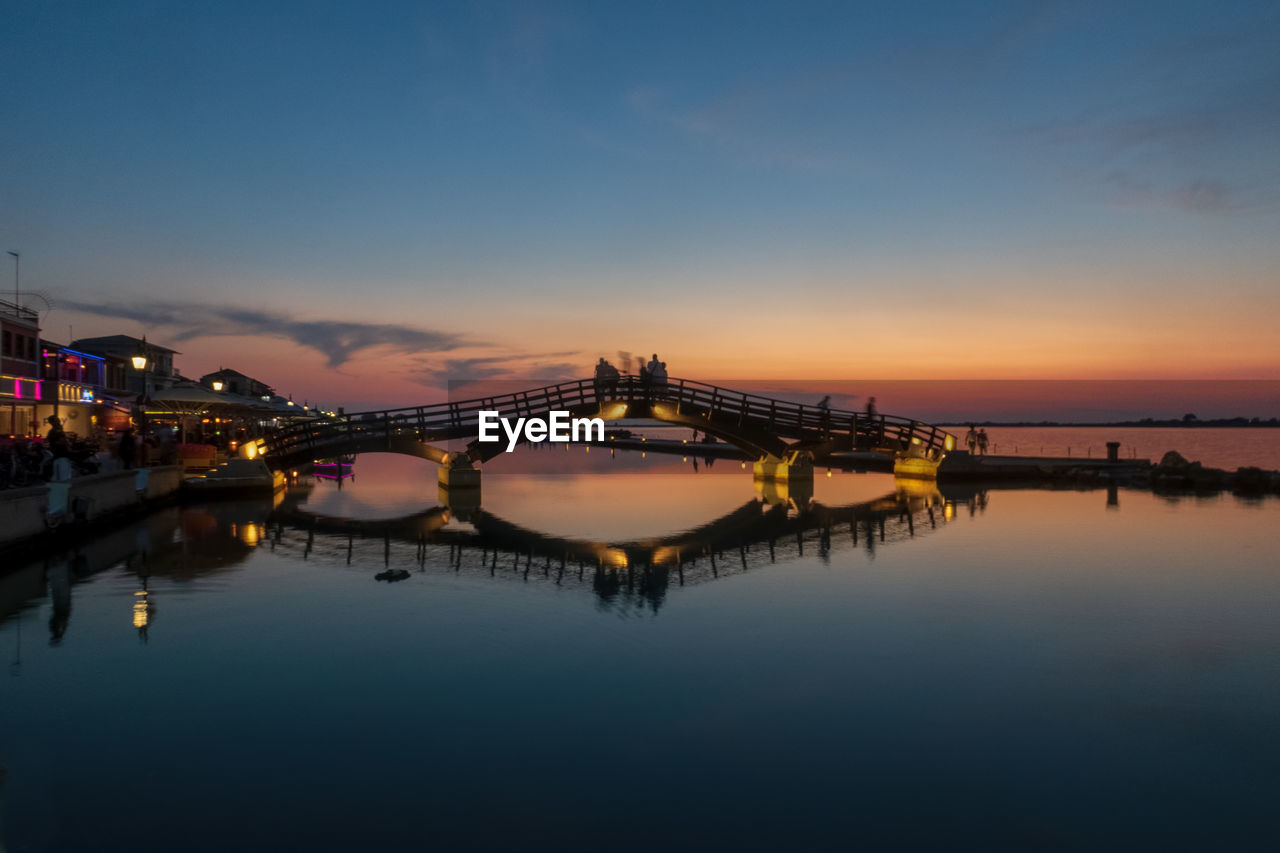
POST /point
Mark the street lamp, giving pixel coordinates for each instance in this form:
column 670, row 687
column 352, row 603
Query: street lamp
column 140, row 364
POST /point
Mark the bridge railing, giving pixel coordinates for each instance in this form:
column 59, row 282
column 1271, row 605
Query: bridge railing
column 454, row 419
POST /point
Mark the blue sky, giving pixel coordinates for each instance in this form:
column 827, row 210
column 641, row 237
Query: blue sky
column 512, row 178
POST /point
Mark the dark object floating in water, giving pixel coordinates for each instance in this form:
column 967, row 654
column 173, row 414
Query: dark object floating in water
column 392, row 575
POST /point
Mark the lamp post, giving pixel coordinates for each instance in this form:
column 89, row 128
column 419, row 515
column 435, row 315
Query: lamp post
column 140, row 364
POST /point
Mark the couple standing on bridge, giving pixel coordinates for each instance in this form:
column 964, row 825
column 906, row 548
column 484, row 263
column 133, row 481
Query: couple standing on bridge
column 652, row 376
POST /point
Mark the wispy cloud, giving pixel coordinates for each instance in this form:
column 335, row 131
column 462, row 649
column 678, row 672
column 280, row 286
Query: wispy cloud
column 1202, row 195
column 337, row 340
column 1189, row 126
column 545, row 368
column 752, row 124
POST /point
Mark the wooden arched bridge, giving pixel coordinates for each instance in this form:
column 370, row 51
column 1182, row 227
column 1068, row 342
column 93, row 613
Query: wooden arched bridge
column 786, row 438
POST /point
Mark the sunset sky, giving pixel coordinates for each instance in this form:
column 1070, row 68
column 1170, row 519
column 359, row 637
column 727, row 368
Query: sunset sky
column 357, row 203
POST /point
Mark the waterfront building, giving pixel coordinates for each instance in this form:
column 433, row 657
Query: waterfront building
column 20, row 390
column 76, row 389
column 146, row 365
column 234, row 382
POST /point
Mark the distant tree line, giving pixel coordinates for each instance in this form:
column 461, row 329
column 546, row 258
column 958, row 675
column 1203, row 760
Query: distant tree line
column 1187, row 420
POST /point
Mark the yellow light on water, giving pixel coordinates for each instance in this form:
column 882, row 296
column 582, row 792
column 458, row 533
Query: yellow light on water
column 140, row 615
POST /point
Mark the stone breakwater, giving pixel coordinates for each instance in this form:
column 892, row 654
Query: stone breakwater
column 1173, row 473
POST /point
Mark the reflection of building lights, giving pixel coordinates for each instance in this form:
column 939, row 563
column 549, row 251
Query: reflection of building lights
column 828, row 472
column 141, row 609
column 250, row 534
column 949, row 511
column 665, row 555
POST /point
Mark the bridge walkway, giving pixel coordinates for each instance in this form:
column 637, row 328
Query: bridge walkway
column 765, row 426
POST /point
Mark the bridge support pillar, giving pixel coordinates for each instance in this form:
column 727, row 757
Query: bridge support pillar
column 785, row 481
column 795, row 467
column 915, row 466
column 458, row 478
column 459, row 485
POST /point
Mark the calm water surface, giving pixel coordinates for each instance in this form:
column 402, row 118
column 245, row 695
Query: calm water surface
column 1016, row 669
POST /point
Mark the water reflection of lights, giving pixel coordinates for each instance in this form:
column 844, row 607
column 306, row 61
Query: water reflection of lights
column 614, row 558
column 143, row 610
column 250, row 534
column 949, row 511
column 666, row 555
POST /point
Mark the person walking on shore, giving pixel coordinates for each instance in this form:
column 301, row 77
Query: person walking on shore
column 126, row 448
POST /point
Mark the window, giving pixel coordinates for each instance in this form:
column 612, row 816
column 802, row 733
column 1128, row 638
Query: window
column 8, row 343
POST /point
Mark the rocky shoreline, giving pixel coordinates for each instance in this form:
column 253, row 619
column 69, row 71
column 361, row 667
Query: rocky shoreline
column 1175, row 473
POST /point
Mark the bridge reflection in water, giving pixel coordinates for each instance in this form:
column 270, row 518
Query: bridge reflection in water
column 777, row 526
column 191, row 545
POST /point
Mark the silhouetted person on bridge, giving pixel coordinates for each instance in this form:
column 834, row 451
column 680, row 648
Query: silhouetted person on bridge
column 606, row 380
column 982, row 442
column 871, row 407
column 971, row 439
column 824, row 415
column 658, row 377
column 599, row 378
